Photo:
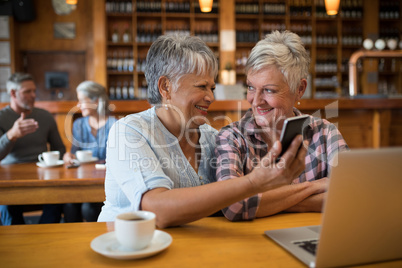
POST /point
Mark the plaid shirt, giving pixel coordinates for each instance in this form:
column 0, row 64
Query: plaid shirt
column 240, row 147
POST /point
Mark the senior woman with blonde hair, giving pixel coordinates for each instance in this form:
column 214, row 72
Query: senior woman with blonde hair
column 277, row 71
column 162, row 159
column 90, row 132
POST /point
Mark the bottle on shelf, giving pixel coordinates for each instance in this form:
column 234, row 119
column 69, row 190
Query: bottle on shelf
column 124, row 91
column 115, row 61
column 118, row 91
column 115, row 35
column 131, row 91
column 131, row 62
column 126, row 61
column 143, row 90
column 123, row 7
column 109, row 60
column 120, row 61
column 112, row 91
column 127, row 34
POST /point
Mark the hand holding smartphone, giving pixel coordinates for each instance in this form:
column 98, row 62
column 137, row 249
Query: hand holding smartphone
column 292, row 127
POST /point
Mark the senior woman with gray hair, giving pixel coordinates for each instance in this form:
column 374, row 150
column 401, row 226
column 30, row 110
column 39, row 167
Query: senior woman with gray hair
column 277, row 71
column 90, row 132
column 162, row 159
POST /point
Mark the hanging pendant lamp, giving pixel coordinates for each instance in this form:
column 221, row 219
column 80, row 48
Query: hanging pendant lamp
column 206, row 5
column 332, row 6
column 71, row 2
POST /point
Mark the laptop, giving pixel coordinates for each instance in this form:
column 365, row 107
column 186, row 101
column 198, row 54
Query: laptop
column 362, row 216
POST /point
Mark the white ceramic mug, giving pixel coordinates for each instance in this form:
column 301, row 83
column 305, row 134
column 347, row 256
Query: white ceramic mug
column 135, row 230
column 49, row 158
column 83, row 155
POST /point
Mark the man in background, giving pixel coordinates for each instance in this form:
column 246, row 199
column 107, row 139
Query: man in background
column 26, row 132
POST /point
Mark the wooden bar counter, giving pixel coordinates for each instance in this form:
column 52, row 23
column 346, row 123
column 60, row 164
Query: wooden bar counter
column 364, row 123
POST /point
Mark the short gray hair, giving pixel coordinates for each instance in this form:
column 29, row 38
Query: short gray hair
column 15, row 81
column 173, row 56
column 95, row 91
column 284, row 50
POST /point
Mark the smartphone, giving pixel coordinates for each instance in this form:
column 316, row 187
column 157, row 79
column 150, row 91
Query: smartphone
column 292, row 127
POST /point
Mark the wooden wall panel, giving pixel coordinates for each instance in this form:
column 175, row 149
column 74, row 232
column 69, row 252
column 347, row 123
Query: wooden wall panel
column 37, row 35
column 38, row 63
column 395, row 128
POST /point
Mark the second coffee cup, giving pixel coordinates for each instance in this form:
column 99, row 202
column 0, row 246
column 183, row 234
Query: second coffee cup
column 84, row 155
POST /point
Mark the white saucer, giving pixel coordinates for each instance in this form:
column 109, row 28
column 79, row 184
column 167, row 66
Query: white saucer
column 59, row 163
column 108, row 246
column 93, row 159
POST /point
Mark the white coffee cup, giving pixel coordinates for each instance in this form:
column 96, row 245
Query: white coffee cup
column 135, row 230
column 84, row 155
column 49, row 158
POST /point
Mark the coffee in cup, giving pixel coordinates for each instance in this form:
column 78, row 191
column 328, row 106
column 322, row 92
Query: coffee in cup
column 49, row 158
column 84, row 155
column 135, row 230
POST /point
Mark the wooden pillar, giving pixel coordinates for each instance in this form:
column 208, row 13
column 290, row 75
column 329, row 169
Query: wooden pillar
column 227, row 27
column 369, row 78
column 99, row 42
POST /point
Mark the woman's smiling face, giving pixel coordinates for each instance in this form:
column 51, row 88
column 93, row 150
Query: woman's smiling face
column 270, row 97
column 193, row 97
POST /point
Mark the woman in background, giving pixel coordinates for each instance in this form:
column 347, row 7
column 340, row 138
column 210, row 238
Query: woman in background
column 90, row 132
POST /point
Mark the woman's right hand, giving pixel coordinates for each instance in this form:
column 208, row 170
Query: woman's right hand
column 68, row 158
column 270, row 174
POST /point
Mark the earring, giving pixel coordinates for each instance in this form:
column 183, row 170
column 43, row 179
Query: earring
column 166, row 104
column 298, row 103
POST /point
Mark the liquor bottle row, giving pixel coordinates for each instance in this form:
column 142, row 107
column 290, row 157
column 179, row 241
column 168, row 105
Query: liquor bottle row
column 352, row 40
column 326, row 82
column 300, row 8
column 121, row 90
column 177, row 6
column 345, row 65
column 274, row 9
column 121, row 33
column 389, row 32
column 241, row 60
column 326, row 40
column 389, row 65
column 150, row 6
column 389, row 9
column 124, row 90
column 154, row 6
column 148, row 33
column 208, row 34
column 123, row 61
column 120, row 60
column 304, row 31
column 352, row 9
column 178, row 29
column 119, row 6
column 246, row 35
column 326, row 64
column 246, row 7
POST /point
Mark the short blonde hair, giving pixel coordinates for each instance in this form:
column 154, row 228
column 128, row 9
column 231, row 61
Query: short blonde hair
column 284, row 50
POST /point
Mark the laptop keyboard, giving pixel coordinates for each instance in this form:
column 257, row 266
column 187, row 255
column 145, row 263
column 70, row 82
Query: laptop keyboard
column 308, row 245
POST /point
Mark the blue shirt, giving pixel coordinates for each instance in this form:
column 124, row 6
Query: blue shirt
column 142, row 155
column 84, row 140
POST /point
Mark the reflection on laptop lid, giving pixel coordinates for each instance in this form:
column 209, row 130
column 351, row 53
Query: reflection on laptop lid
column 362, row 219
